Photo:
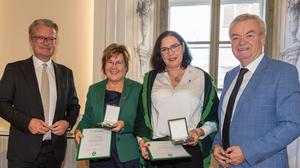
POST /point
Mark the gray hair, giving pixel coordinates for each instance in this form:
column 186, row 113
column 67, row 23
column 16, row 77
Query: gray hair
column 247, row 16
column 45, row 22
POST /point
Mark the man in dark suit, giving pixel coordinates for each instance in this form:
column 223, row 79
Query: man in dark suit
column 38, row 98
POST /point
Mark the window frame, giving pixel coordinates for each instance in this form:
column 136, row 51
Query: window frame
column 215, row 42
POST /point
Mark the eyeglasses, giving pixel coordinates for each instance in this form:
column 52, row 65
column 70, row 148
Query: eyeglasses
column 166, row 50
column 248, row 36
column 42, row 39
column 114, row 63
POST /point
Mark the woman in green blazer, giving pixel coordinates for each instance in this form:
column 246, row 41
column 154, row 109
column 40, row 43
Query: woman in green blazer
column 119, row 91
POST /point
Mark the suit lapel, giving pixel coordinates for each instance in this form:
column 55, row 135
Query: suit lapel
column 126, row 90
column 59, row 87
column 99, row 98
column 228, row 80
column 124, row 96
column 255, row 81
column 30, row 76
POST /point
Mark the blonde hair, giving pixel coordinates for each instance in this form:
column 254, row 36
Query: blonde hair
column 45, row 22
column 113, row 50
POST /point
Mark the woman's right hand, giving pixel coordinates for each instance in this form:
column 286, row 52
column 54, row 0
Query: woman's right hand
column 143, row 148
column 78, row 136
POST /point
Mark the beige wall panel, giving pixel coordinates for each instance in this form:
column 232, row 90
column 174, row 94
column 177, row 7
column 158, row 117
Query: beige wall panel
column 75, row 44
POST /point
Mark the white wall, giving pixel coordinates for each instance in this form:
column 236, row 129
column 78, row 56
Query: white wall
column 114, row 21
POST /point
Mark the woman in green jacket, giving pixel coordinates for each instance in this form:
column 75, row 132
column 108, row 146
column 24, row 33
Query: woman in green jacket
column 116, row 90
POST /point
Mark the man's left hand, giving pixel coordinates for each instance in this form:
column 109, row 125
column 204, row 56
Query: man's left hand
column 235, row 155
column 60, row 127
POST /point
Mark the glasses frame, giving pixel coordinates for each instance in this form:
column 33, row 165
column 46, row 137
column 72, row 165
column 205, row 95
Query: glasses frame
column 174, row 48
column 43, row 39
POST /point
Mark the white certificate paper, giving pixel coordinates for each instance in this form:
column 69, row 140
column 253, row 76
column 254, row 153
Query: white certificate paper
column 111, row 114
column 164, row 150
column 94, row 144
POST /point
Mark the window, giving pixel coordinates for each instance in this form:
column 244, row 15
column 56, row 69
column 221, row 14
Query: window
column 193, row 20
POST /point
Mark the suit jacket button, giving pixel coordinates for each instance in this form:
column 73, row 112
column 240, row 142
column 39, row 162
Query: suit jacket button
column 118, row 139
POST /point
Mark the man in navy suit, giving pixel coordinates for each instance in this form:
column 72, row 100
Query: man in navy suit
column 38, row 99
column 263, row 117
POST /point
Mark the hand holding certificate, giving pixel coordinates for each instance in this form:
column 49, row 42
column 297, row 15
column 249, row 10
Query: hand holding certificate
column 163, row 150
column 94, row 144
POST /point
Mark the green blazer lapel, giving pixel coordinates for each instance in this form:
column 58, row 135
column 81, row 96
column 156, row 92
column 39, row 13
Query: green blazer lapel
column 126, row 90
column 99, row 97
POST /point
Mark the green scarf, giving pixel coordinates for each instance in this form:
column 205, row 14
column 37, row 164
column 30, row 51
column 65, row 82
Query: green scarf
column 209, row 113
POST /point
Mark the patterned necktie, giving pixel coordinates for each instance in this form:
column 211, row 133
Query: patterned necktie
column 45, row 92
column 229, row 109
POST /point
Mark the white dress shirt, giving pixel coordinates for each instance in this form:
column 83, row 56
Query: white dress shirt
column 185, row 100
column 38, row 66
column 251, row 67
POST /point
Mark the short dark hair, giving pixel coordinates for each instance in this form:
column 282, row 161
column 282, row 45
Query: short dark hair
column 156, row 60
column 113, row 50
column 45, row 22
